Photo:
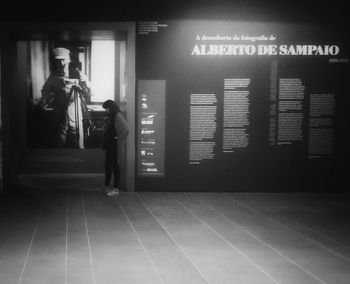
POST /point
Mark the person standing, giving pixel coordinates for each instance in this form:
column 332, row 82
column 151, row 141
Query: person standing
column 67, row 98
column 116, row 132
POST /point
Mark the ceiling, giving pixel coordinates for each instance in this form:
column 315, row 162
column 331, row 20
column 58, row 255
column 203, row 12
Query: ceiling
column 132, row 10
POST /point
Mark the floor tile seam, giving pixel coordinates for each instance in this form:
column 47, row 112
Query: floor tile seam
column 327, row 224
column 88, row 240
column 173, row 239
column 141, row 242
column 20, row 279
column 226, row 241
column 294, row 231
column 67, row 228
column 316, row 201
column 314, row 231
column 319, row 219
column 264, row 243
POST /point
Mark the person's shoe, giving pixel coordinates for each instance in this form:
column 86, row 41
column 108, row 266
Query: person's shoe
column 113, row 191
column 105, row 189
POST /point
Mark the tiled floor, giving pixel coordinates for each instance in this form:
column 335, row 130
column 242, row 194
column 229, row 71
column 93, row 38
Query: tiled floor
column 179, row 238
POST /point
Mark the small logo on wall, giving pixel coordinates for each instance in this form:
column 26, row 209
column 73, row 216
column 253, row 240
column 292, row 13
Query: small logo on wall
column 147, row 132
column 147, row 120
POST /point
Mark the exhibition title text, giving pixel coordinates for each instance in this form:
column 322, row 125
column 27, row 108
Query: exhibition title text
column 258, row 49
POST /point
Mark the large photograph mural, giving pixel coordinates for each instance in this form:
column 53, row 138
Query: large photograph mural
column 58, row 76
column 67, row 83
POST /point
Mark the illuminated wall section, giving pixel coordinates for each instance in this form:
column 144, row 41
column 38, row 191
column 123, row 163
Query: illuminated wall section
column 151, row 128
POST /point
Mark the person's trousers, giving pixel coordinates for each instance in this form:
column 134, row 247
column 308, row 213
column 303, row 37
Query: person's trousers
column 111, row 164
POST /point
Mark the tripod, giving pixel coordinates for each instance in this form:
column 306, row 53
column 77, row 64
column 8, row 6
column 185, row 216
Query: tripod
column 77, row 100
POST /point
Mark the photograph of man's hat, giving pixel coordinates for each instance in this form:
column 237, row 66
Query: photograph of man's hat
column 61, row 53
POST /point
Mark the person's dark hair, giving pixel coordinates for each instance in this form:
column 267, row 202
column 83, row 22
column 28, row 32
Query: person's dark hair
column 111, row 105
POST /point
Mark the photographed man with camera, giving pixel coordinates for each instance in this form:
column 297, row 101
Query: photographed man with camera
column 67, row 98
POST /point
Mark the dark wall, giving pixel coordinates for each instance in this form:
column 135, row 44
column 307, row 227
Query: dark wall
column 164, row 56
column 296, row 11
column 262, row 165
